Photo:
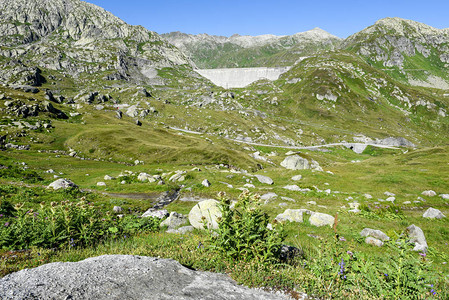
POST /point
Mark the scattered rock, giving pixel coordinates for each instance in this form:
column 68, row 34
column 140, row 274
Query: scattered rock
column 416, row 236
column 264, row 179
column 117, row 209
column 292, row 215
column 206, row 212
column 267, row 197
column 320, row 219
column 124, row 277
column 445, row 196
column 297, row 177
column 390, row 199
column 62, row 184
column 373, row 241
column 293, row 187
column 107, row 177
column 145, row 177
column 101, row 183
column 377, row 234
column 119, row 114
column 429, row 193
column 311, row 202
column 160, row 214
column 250, row 186
column 433, row 213
column 174, row 221
column 206, row 183
column 368, row 196
column 178, row 176
column 388, row 194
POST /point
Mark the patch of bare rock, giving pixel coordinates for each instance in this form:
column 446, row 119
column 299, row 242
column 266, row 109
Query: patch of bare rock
column 124, row 277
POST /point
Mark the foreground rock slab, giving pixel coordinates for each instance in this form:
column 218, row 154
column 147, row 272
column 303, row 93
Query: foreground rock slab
column 123, row 277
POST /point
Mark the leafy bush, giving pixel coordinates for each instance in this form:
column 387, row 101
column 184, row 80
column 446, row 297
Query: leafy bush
column 338, row 272
column 242, row 232
column 66, row 224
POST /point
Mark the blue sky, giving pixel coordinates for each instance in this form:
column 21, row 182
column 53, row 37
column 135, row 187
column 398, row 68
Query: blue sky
column 280, row 17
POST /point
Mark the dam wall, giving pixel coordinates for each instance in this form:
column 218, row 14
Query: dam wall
column 240, row 77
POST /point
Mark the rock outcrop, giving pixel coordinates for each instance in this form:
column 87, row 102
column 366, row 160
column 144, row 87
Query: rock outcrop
column 78, row 37
column 123, row 277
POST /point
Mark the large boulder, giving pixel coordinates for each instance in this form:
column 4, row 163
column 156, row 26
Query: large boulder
column 205, row 213
column 417, row 237
column 292, row 215
column 296, row 162
column 433, row 213
column 320, row 219
column 124, row 277
column 61, row 183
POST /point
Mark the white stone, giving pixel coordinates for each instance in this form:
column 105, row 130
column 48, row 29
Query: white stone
column 297, row 177
column 320, row 219
column 433, row 213
column 429, row 193
column 206, row 183
column 101, row 183
column 292, row 215
column 373, row 241
column 151, row 213
column 61, row 184
column 368, row 232
column 292, row 187
column 264, row 179
column 417, row 237
column 205, row 213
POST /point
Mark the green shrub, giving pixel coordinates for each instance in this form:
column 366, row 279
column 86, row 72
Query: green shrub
column 66, row 224
column 242, row 233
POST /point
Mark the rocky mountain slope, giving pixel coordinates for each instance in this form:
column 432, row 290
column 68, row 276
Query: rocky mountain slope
column 209, row 51
column 71, row 38
column 410, row 51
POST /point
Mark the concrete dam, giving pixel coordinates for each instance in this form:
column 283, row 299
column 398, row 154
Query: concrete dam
column 240, row 77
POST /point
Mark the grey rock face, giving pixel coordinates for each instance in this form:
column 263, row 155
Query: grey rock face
column 433, row 213
column 123, row 277
column 416, row 236
column 93, row 37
